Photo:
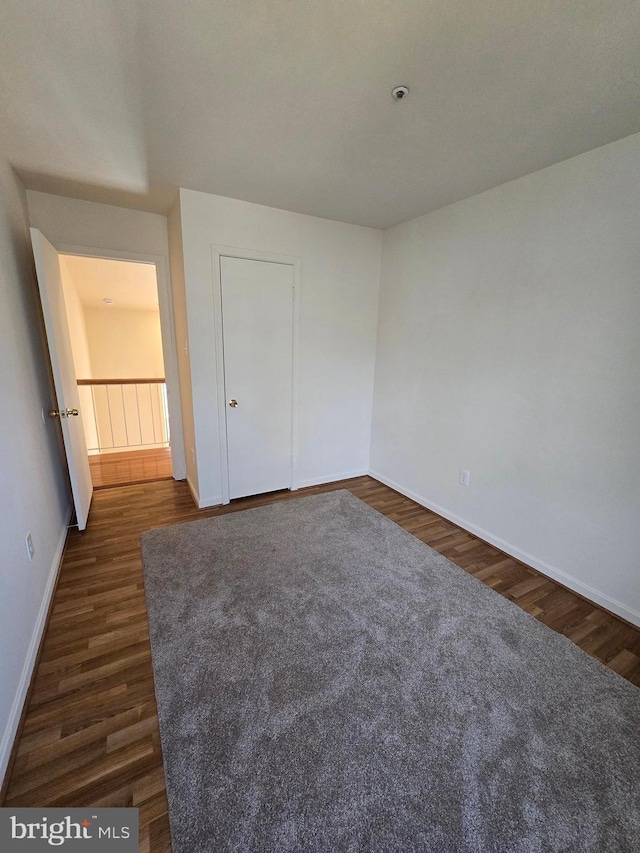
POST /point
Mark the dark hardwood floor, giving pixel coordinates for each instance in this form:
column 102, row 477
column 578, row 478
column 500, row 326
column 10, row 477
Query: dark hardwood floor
column 130, row 466
column 90, row 735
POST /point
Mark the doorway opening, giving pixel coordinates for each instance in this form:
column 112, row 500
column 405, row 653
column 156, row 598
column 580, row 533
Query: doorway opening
column 113, row 314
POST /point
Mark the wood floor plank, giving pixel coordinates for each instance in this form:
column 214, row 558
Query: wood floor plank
column 90, row 735
column 116, row 726
column 130, row 466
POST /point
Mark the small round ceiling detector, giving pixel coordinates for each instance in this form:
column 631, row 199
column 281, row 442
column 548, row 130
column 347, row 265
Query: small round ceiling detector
column 399, row 92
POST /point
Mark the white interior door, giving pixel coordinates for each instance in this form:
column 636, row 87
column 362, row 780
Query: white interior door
column 64, row 378
column 257, row 321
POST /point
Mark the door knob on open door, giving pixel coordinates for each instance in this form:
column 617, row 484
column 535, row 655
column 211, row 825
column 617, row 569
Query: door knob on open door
column 63, row 413
column 233, row 404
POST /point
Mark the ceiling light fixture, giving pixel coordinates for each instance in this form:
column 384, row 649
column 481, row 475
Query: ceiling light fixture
column 108, row 300
column 399, row 92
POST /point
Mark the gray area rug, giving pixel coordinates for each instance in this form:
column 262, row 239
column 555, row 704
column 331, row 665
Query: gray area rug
column 327, row 682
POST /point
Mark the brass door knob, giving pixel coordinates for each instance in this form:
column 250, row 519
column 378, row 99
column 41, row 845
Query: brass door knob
column 233, row 404
column 64, row 413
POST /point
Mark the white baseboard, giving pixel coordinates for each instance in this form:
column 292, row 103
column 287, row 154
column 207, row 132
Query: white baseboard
column 205, row 503
column 202, row 503
column 331, row 478
column 541, row 566
column 11, row 729
column 194, row 491
column 133, row 448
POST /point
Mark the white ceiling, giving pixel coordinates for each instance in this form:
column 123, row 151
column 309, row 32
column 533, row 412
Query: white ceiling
column 131, row 285
column 287, row 103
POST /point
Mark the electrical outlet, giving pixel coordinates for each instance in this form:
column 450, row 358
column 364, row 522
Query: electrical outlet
column 193, row 456
column 30, row 549
column 465, row 477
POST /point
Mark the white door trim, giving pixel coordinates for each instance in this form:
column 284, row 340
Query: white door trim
column 269, row 257
column 168, row 332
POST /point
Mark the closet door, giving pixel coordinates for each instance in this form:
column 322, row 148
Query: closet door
column 257, row 321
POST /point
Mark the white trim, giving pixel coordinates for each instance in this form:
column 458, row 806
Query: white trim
column 268, row 257
column 11, row 729
column 207, row 503
column 565, row 579
column 168, row 332
column 295, row 374
column 193, row 490
column 332, row 478
column 219, row 372
column 202, row 503
column 129, row 448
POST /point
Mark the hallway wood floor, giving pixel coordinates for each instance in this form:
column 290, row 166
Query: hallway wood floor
column 90, row 735
column 130, row 467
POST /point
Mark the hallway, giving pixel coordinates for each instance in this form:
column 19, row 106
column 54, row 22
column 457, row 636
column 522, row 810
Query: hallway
column 130, row 467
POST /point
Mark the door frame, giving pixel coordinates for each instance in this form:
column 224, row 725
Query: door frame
column 293, row 261
column 168, row 334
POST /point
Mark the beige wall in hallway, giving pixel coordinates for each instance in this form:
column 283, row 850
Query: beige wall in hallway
column 124, row 344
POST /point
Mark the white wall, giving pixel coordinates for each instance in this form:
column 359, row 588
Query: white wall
column 176, row 256
column 70, row 222
column 34, row 495
column 338, row 309
column 509, row 344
